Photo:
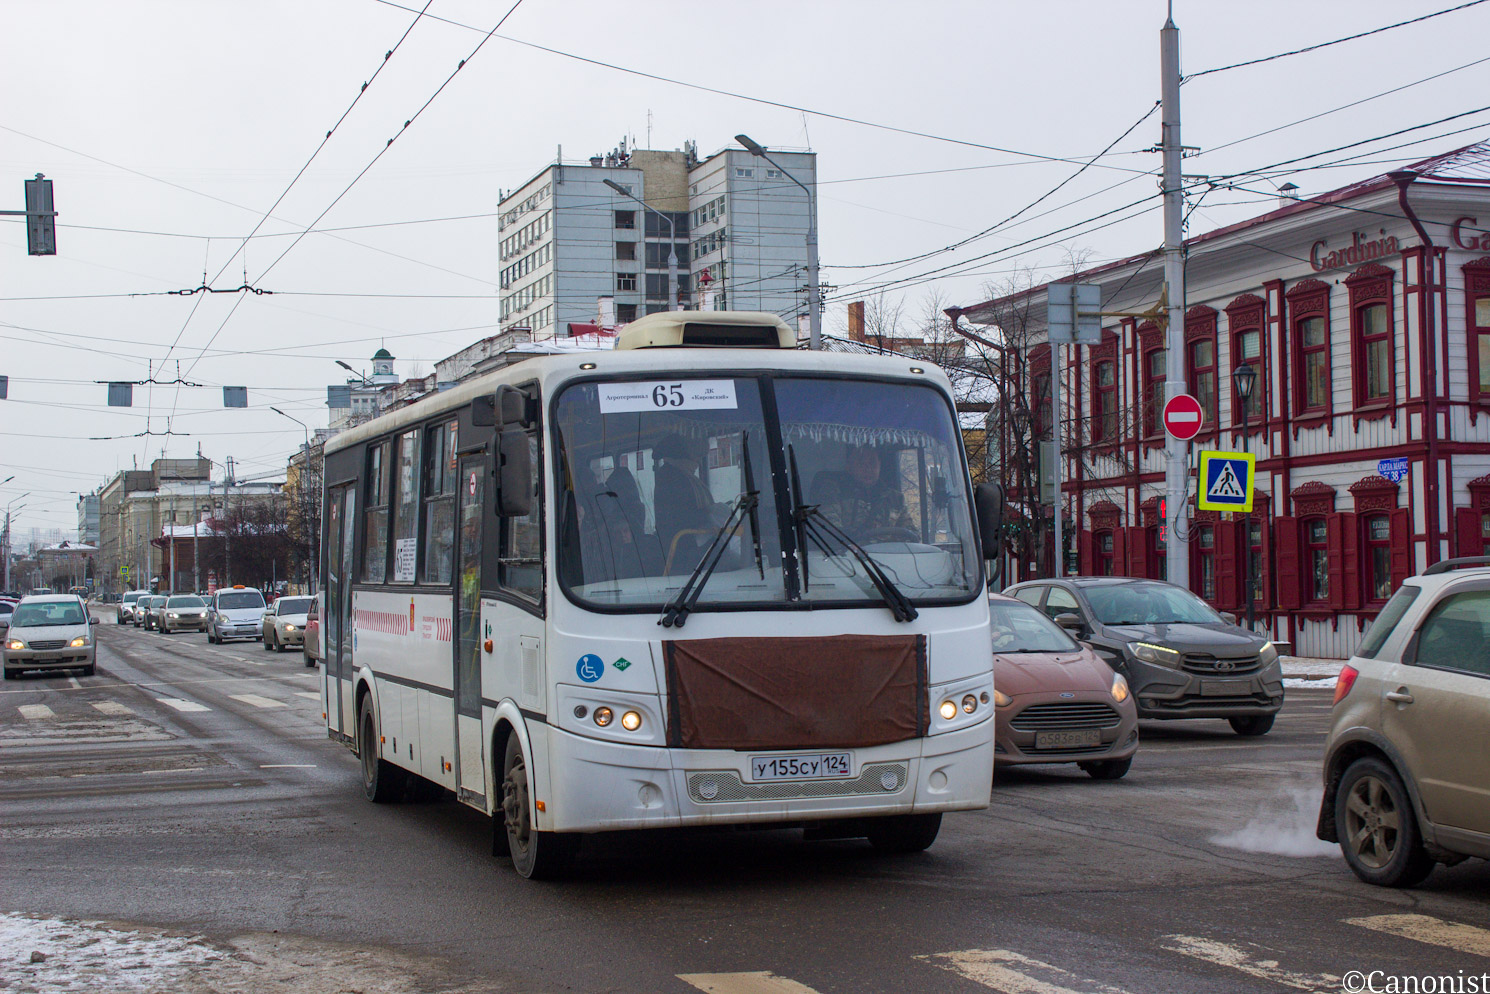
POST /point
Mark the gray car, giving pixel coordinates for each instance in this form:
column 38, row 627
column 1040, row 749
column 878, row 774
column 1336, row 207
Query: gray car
column 183, row 613
column 49, row 632
column 1181, row 658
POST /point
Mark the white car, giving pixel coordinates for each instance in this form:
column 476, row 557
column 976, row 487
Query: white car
column 284, row 623
column 235, row 613
column 127, row 606
column 49, row 632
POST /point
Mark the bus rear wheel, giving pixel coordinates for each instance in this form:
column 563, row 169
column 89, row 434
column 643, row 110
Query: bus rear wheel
column 382, row 782
column 535, row 855
column 904, row 833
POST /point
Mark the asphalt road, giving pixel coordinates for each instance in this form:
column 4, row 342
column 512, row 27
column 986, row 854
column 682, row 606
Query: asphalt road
column 191, row 789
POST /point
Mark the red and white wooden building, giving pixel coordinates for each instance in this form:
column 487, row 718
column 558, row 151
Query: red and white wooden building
column 1372, row 347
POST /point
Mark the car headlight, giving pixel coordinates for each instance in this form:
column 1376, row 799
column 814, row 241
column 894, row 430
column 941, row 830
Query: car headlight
column 14, row 644
column 1150, row 653
column 289, row 628
column 177, row 616
column 1001, row 699
column 1268, row 654
column 1120, row 691
column 79, row 641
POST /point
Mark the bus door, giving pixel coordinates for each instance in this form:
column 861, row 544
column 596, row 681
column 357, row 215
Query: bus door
column 470, row 774
column 337, row 623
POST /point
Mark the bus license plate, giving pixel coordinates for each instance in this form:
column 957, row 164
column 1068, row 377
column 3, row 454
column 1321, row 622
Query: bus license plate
column 820, row 766
column 1082, row 738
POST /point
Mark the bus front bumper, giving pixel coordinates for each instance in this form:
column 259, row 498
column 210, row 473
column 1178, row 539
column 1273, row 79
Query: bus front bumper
column 598, row 786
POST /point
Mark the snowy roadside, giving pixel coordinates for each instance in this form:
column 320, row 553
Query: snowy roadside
column 88, row 957
column 1304, row 671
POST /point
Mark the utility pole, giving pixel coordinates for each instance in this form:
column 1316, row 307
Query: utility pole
column 1176, row 469
column 227, row 531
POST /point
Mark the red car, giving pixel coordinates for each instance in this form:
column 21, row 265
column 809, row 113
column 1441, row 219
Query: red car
column 1055, row 700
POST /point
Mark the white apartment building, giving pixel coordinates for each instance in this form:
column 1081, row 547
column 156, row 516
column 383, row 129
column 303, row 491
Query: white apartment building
column 737, row 224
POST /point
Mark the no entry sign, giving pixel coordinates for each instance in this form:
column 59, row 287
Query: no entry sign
column 1182, row 417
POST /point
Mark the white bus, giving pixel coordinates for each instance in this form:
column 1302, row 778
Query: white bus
column 703, row 578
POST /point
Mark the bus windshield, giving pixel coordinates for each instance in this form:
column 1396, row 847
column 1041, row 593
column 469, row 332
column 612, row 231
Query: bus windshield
column 651, row 471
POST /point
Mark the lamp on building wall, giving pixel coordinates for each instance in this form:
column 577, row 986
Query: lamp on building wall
column 1244, row 378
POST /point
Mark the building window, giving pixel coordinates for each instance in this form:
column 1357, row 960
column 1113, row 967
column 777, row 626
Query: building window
column 1040, row 400
column 1314, row 348
column 1479, row 334
column 1203, row 377
column 626, row 251
column 1374, row 333
column 1205, row 561
column 1154, row 368
column 1247, row 343
column 1378, row 557
column 626, row 281
column 1317, row 560
column 625, row 313
column 744, row 173
column 1105, row 562
column 1105, row 402
column 625, row 220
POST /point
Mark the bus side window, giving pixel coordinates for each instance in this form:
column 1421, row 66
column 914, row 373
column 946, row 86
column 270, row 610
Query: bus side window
column 520, row 566
column 375, row 539
column 439, row 503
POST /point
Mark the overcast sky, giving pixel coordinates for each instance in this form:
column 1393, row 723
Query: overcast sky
column 170, row 128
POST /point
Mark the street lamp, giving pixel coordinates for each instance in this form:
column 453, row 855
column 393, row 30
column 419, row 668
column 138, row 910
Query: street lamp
column 814, row 292
column 7, row 533
column 314, row 549
column 1244, row 378
column 361, row 376
column 672, row 245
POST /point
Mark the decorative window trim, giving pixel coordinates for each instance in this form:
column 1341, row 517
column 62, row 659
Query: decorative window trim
column 1371, row 285
column 1104, row 515
column 1313, row 499
column 1107, row 351
column 1374, row 494
column 1248, row 312
column 1150, row 338
column 1149, row 511
column 1200, row 326
column 1476, row 284
column 1307, row 299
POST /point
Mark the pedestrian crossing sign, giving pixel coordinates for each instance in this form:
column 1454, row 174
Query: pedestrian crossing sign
column 1226, row 481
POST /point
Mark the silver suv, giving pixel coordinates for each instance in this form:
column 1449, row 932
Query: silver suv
column 1408, row 753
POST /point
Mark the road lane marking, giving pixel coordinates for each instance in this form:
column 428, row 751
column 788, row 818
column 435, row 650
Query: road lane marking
column 36, row 712
column 762, row 982
column 991, row 968
column 1433, row 931
column 257, row 701
column 306, row 693
column 112, row 707
column 287, row 766
column 181, row 705
column 1239, row 959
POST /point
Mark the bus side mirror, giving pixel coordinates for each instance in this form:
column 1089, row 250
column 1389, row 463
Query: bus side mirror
column 514, row 407
column 514, row 474
column 988, row 500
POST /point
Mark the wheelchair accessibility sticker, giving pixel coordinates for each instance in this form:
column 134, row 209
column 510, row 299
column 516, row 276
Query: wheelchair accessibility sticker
column 590, row 668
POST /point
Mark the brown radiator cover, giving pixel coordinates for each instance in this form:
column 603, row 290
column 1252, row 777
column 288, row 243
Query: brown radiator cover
column 843, row 691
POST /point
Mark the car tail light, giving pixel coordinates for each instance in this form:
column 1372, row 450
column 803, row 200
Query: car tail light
column 1345, row 682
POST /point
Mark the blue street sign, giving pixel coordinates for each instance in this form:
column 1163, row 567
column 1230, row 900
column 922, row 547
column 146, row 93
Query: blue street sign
column 1393, row 469
column 1226, row 481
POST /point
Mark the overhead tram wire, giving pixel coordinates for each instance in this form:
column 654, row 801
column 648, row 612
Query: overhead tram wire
column 1327, row 44
column 365, row 169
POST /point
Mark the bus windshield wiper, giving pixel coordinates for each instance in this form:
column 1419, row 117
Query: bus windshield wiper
column 675, row 612
column 816, row 525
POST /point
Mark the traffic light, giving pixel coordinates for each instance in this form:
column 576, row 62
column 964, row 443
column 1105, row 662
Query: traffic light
column 41, row 219
column 1163, row 519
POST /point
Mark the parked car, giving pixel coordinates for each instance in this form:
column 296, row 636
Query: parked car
column 47, row 632
column 150, row 611
column 283, row 626
column 1181, row 658
column 1407, row 757
column 1055, row 700
column 183, row 613
column 235, row 612
column 312, row 649
column 6, row 607
column 127, row 606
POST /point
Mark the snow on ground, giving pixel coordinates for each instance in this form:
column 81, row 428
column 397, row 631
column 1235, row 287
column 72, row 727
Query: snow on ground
column 1303, row 671
column 54, row 956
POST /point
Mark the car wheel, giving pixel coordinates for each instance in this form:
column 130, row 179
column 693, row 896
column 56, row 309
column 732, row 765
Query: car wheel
column 265, row 640
column 1378, row 829
column 210, row 639
column 309, row 662
column 535, row 855
column 1252, row 725
column 281, row 646
column 904, row 833
column 89, row 669
column 11, row 674
column 382, row 782
column 1107, row 769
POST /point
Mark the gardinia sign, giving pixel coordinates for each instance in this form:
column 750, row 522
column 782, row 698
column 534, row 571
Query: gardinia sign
column 1360, row 251
column 1473, row 241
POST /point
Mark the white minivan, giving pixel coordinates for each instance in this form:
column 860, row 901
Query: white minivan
column 235, row 612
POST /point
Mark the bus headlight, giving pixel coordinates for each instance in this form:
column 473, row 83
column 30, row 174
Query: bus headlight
column 969, row 703
column 604, row 716
column 948, row 710
column 631, row 721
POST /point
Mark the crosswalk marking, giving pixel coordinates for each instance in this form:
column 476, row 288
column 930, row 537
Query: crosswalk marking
column 761, row 982
column 182, row 705
column 995, row 968
column 36, row 712
column 1434, row 931
column 257, row 701
column 112, row 707
column 306, row 693
column 1239, row 959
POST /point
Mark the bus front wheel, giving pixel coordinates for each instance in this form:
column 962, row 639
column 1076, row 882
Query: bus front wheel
column 383, row 782
column 904, row 833
column 535, row 855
